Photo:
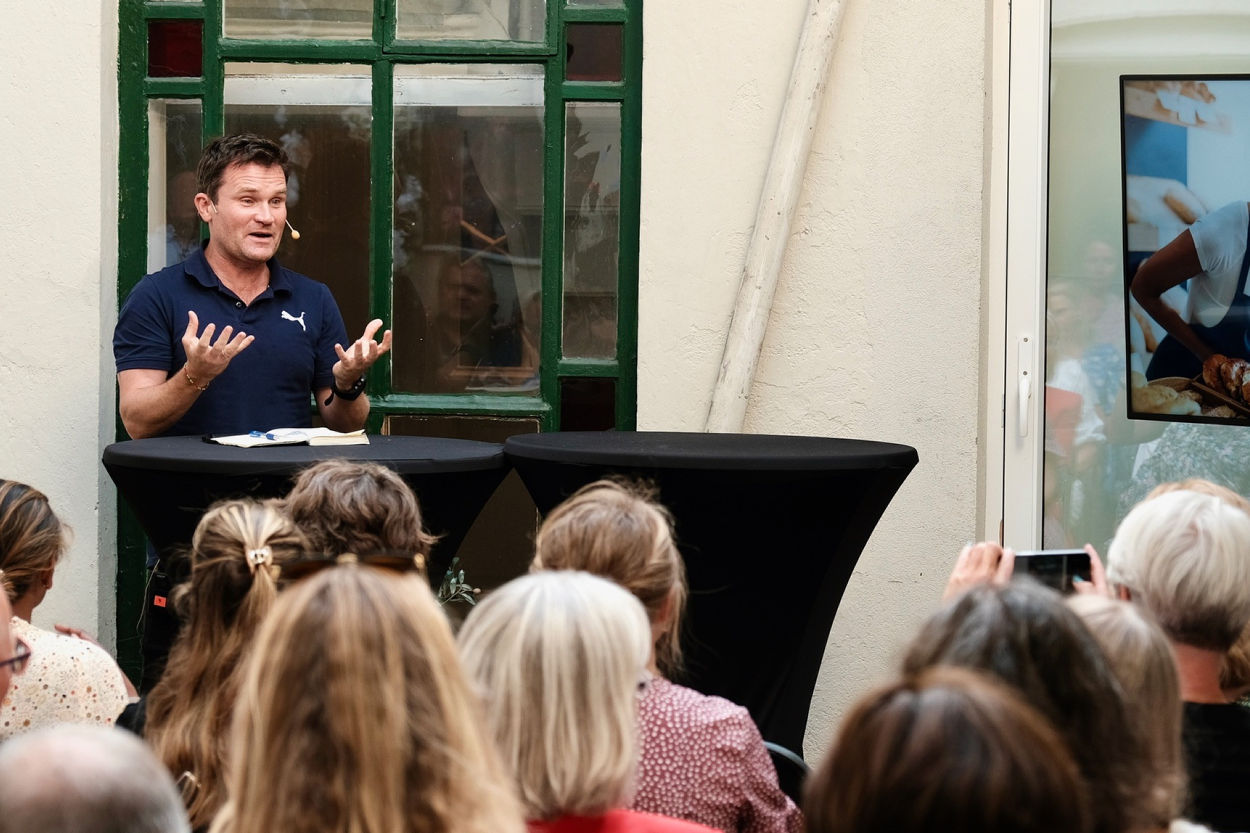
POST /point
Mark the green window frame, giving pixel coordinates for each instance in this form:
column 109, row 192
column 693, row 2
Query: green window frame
column 382, row 53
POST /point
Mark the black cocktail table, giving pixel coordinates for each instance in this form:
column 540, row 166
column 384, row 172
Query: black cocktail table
column 168, row 482
column 770, row 528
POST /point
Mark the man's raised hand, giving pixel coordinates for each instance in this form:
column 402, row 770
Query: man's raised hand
column 360, row 356
column 207, row 359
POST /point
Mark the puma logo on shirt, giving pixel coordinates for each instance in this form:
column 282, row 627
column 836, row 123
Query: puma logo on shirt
column 286, row 316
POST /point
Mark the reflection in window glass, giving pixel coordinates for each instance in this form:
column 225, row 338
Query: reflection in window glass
column 321, row 115
column 173, row 225
column 1097, row 462
column 468, row 228
column 514, row 20
column 336, row 19
column 592, row 199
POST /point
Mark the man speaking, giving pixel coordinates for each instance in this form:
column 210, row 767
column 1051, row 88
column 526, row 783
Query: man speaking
column 229, row 341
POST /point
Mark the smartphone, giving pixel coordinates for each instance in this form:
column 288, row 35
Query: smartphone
column 1054, row 568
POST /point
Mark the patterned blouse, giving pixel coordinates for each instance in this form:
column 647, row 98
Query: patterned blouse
column 702, row 759
column 68, row 680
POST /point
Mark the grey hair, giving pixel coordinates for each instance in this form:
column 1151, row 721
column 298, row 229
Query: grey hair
column 558, row 658
column 1185, row 556
column 86, row 779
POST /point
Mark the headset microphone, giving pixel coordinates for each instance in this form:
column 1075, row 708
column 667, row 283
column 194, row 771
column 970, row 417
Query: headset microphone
column 294, row 233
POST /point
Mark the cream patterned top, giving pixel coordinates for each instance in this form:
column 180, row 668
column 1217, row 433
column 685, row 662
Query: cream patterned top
column 68, row 680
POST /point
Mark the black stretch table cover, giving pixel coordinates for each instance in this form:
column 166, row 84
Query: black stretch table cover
column 170, row 481
column 770, row 528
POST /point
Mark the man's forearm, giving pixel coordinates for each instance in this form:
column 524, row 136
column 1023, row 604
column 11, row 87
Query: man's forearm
column 148, row 410
column 341, row 414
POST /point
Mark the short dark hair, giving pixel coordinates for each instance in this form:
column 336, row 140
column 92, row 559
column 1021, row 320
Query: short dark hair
column 239, row 149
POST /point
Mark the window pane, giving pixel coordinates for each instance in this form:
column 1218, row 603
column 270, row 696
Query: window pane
column 337, row 19
column 592, row 197
column 321, row 114
column 1127, row 175
column 593, row 52
column 516, row 20
column 174, row 141
column 175, row 48
column 468, row 228
column 587, row 404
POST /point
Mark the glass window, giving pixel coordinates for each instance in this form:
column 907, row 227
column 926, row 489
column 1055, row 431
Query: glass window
column 175, row 48
column 512, row 20
column 173, row 224
column 1183, row 160
column 593, row 52
column 322, row 115
column 331, row 19
column 592, row 198
column 468, row 227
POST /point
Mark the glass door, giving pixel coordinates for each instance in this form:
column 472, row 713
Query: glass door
column 1143, row 144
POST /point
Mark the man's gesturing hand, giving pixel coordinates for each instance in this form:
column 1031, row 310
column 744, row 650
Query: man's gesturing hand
column 207, row 359
column 360, row 356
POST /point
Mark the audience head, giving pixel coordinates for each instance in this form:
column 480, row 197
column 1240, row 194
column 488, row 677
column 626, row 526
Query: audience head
column 558, row 658
column 1185, row 556
column 1235, row 671
column 1025, row 635
column 354, row 714
column 236, row 552
column 1141, row 657
column 85, row 779
column 358, row 507
column 946, row 750
column 618, row 530
column 8, row 645
column 32, row 540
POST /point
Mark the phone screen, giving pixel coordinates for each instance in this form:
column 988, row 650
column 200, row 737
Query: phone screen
column 1054, row 568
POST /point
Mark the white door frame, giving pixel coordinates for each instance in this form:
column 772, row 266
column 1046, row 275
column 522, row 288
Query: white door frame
column 1016, row 270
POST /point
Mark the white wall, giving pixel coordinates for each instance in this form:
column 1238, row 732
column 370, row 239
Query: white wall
column 57, row 231
column 877, row 324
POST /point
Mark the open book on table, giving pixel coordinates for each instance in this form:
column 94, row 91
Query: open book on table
column 293, row 436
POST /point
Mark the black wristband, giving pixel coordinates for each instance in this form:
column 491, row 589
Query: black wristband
column 349, row 395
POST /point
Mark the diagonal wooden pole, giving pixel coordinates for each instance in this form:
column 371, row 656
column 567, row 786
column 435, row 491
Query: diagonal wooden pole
column 782, row 185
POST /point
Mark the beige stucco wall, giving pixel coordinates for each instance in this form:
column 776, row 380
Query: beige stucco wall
column 877, row 322
column 57, row 221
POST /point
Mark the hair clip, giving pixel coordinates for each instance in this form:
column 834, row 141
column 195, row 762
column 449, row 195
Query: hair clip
column 259, row 556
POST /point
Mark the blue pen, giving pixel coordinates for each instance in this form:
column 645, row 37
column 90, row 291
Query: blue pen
column 259, row 434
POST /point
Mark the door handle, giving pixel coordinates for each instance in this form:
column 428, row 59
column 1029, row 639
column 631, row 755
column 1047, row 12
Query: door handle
column 1024, row 384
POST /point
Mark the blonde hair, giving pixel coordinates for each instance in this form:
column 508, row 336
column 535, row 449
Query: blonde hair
column 354, row 715
column 1185, row 555
column 359, row 507
column 559, row 657
column 618, row 530
column 236, row 551
column 32, row 538
column 1141, row 658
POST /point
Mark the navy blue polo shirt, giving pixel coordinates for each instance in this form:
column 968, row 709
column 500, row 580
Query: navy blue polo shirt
column 296, row 324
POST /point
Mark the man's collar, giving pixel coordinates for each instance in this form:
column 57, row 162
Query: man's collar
column 197, row 267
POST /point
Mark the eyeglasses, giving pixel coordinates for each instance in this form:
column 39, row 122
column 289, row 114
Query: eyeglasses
column 20, row 658
column 396, row 562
